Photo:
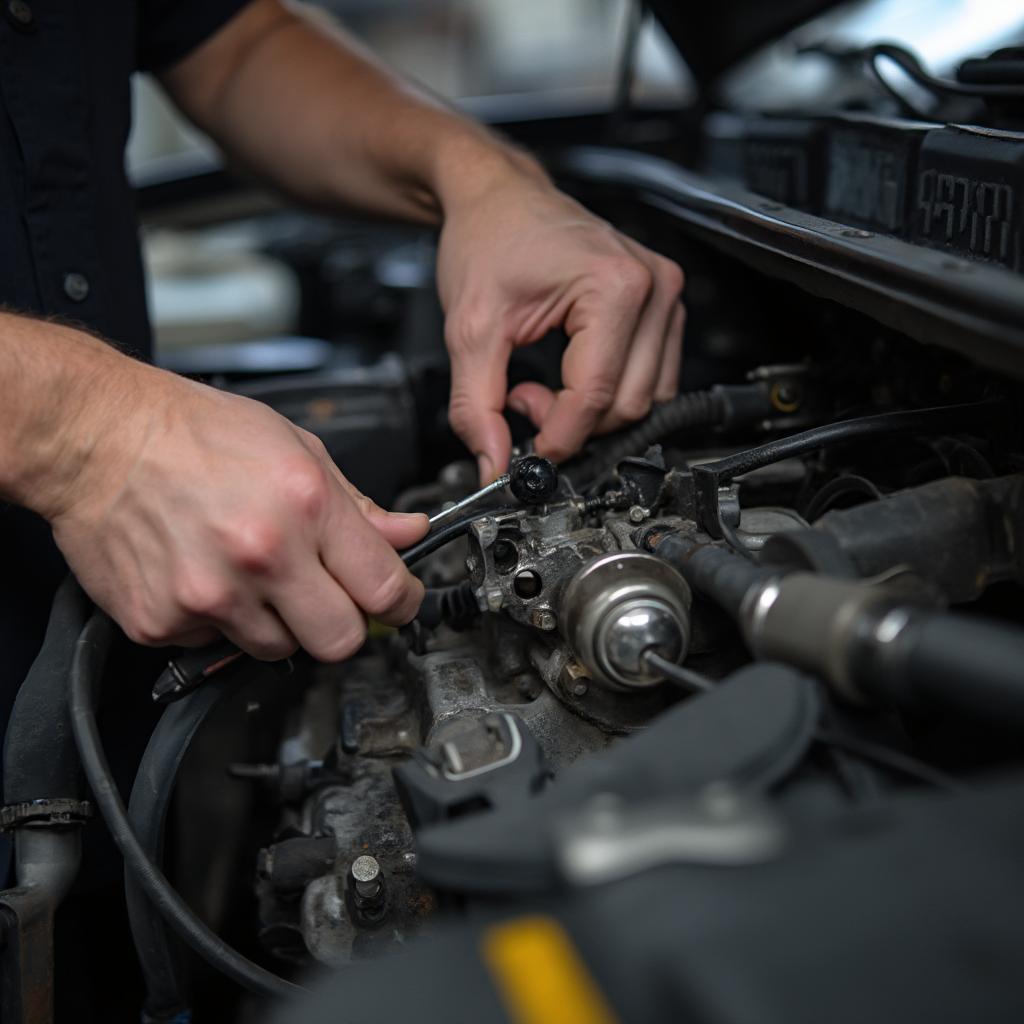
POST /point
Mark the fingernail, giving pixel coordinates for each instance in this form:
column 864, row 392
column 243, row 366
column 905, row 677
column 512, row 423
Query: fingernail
column 487, row 473
column 410, row 516
column 517, row 405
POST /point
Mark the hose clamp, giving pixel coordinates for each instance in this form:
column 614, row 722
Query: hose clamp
column 59, row 812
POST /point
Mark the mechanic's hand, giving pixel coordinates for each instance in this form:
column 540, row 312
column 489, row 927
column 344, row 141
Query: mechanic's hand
column 519, row 258
column 207, row 512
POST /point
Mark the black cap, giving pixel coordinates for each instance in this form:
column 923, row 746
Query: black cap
column 533, row 479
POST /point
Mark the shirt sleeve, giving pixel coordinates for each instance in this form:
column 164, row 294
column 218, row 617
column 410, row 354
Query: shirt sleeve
column 171, row 29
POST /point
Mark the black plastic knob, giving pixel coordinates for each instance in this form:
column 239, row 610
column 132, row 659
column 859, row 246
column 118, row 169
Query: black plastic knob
column 534, row 479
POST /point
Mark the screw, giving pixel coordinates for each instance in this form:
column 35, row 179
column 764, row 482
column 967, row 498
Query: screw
column 544, row 619
column 576, row 680
column 637, row 514
column 366, row 877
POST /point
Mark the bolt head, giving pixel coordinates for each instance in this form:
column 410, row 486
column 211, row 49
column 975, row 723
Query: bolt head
column 543, row 618
column 365, row 873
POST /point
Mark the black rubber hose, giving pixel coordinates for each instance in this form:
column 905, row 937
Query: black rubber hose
column 150, row 799
column 86, row 675
column 721, row 575
column 437, row 539
column 455, row 605
column 913, row 421
column 685, row 412
column 40, row 759
column 940, row 660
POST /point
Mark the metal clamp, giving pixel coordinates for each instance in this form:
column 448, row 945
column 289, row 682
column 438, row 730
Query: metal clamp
column 40, row 813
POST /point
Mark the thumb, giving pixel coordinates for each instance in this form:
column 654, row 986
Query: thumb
column 399, row 529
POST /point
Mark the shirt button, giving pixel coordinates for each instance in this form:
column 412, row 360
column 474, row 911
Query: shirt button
column 76, row 286
column 20, row 13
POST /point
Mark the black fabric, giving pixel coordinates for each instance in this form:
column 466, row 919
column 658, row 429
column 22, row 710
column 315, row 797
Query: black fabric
column 68, row 233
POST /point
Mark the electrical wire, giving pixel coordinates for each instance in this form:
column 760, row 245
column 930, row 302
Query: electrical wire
column 909, row 421
column 86, row 672
column 686, row 678
column 847, row 485
column 910, row 64
column 894, row 760
column 443, row 535
column 147, row 811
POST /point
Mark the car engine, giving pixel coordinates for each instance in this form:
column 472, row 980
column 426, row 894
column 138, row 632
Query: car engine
column 723, row 715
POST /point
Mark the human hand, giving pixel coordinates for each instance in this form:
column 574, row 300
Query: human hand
column 518, row 258
column 201, row 513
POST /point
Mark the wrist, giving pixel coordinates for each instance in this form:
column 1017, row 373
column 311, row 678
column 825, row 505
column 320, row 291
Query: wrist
column 80, row 425
column 469, row 164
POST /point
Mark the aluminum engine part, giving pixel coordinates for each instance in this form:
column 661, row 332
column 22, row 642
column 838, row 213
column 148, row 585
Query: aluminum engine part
column 619, row 608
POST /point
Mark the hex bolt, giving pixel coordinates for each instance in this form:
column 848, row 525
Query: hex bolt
column 637, row 514
column 543, row 618
column 575, row 679
column 366, row 878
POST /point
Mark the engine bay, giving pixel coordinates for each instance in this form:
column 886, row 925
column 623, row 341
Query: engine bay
column 757, row 660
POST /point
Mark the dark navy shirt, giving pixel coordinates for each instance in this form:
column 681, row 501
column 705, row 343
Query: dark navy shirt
column 68, row 232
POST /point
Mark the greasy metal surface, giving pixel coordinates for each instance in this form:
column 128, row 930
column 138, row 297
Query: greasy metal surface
column 971, row 308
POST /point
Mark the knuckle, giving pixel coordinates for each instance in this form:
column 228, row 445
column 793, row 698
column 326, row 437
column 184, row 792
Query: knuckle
column 270, row 649
column 634, row 407
column 349, row 638
column 145, row 632
column 460, row 413
column 466, row 327
column 671, row 277
column 255, row 546
column 391, row 592
column 629, row 280
column 598, row 397
column 313, row 443
column 303, row 487
column 208, row 598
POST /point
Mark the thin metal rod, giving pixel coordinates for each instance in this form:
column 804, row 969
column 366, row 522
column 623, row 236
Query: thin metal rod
column 472, row 499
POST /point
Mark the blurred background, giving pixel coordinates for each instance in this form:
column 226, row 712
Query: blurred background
column 243, row 278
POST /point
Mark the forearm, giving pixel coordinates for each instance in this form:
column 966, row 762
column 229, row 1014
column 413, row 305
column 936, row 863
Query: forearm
column 61, row 393
column 302, row 104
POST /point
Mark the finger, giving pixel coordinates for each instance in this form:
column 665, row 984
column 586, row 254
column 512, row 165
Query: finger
column 672, row 357
column 367, row 567
column 324, row 619
column 479, row 360
column 202, row 637
column 399, row 528
column 259, row 631
column 592, row 365
column 635, row 393
column 532, row 400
